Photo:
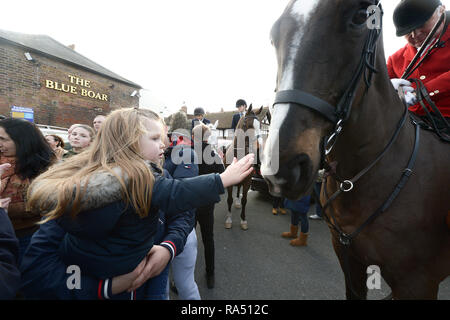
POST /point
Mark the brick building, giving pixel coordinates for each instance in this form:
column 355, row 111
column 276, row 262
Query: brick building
column 61, row 86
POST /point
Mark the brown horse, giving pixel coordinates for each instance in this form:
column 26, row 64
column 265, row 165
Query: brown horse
column 377, row 216
column 246, row 140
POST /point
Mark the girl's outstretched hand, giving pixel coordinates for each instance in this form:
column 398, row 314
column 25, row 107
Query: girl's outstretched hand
column 237, row 170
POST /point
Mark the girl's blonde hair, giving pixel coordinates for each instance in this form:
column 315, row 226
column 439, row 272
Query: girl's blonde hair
column 116, row 145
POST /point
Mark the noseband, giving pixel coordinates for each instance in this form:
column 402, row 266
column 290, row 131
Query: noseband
column 339, row 114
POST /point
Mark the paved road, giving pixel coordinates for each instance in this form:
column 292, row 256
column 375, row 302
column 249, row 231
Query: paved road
column 258, row 264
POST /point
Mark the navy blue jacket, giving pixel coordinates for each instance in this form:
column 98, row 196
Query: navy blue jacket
column 9, row 254
column 301, row 205
column 210, row 162
column 113, row 240
column 44, row 273
column 234, row 122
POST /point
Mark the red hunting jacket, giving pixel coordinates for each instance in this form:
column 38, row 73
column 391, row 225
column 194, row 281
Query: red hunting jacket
column 434, row 73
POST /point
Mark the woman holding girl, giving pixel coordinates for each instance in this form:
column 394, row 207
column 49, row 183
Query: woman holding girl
column 107, row 199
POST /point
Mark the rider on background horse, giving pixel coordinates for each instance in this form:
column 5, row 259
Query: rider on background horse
column 199, row 114
column 241, row 105
column 414, row 19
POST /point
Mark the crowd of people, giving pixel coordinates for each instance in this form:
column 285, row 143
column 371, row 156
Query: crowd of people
column 114, row 203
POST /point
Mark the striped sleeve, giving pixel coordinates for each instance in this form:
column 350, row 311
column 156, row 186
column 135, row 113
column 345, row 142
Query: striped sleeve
column 104, row 289
column 171, row 247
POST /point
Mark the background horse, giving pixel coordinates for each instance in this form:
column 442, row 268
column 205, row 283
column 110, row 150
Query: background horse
column 344, row 92
column 246, row 140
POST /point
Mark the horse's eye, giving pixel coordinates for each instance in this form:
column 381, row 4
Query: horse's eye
column 360, row 17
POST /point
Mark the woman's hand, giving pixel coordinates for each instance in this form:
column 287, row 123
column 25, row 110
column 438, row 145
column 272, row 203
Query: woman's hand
column 237, row 170
column 152, row 265
column 157, row 259
column 122, row 283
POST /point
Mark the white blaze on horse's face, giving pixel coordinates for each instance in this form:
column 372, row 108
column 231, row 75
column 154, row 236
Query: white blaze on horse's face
column 301, row 11
column 257, row 127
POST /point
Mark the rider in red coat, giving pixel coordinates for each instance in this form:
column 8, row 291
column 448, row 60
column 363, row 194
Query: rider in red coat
column 414, row 19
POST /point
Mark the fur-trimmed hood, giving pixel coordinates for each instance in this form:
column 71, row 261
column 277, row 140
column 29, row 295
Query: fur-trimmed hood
column 103, row 188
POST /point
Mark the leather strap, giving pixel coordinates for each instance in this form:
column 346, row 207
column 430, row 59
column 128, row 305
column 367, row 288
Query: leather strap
column 305, row 99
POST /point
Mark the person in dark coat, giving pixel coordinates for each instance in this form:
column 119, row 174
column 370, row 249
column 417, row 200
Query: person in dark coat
column 181, row 162
column 9, row 255
column 210, row 162
column 241, row 105
column 44, row 273
column 199, row 115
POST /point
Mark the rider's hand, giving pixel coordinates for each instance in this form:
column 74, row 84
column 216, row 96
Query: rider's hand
column 407, row 86
column 408, row 90
column 410, row 98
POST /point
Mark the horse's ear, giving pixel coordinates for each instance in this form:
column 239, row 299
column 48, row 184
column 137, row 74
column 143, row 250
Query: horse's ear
column 260, row 110
column 269, row 116
column 250, row 108
column 215, row 124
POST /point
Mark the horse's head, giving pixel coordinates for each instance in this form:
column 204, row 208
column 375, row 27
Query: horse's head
column 251, row 120
column 247, row 137
column 318, row 45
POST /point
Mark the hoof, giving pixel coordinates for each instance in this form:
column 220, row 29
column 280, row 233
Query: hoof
column 274, row 211
column 244, row 225
column 228, row 223
column 237, row 204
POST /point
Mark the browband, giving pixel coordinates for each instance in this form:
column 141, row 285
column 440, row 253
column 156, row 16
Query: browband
column 307, row 100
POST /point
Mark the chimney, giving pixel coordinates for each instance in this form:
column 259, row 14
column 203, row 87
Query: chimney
column 71, row 46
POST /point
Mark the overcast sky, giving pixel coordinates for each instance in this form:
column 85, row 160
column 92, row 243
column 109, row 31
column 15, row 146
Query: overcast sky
column 206, row 53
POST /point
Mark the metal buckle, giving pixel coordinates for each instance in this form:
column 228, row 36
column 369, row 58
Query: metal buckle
column 345, row 239
column 349, row 183
column 333, row 138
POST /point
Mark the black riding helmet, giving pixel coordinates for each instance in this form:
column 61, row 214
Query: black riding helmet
column 199, row 112
column 412, row 14
column 241, row 102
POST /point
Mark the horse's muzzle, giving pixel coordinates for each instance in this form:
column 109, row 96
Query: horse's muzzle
column 293, row 179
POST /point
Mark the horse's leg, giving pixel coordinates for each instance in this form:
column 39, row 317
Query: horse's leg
column 237, row 203
column 414, row 285
column 246, row 187
column 356, row 281
column 354, row 273
column 228, row 220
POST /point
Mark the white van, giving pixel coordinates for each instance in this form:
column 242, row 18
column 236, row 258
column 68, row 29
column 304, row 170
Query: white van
column 59, row 131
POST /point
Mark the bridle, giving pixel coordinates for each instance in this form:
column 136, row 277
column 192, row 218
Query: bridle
column 338, row 115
